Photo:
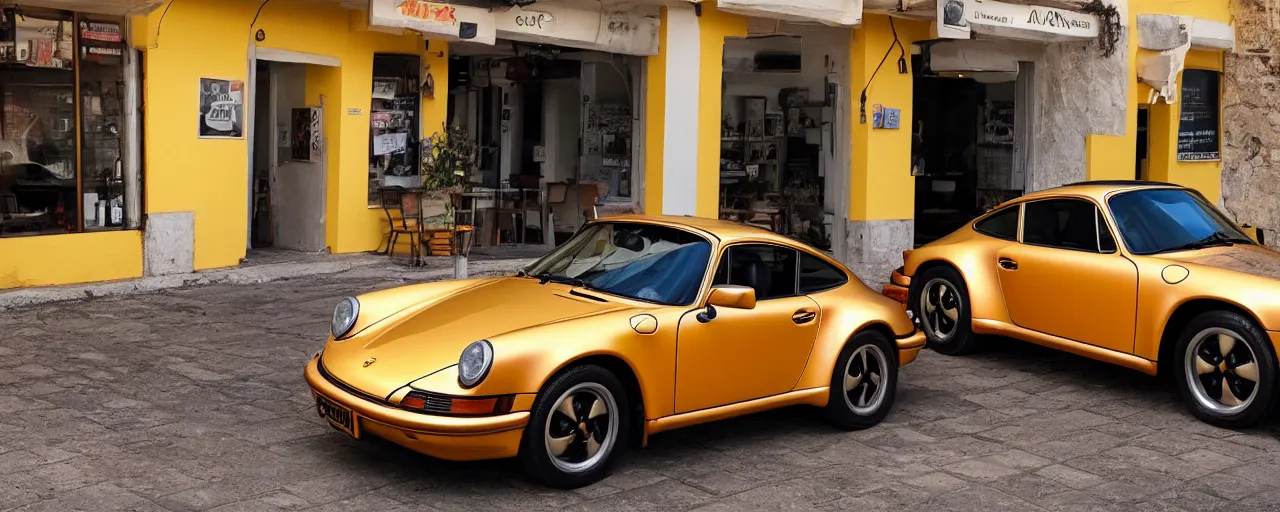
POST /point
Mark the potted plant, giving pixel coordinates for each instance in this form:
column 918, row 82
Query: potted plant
column 449, row 157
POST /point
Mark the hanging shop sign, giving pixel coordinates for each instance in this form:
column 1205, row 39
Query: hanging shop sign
column 959, row 19
column 434, row 19
column 221, row 109
column 1199, row 135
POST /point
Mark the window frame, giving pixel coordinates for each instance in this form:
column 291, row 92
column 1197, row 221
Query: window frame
column 1017, row 230
column 1097, row 234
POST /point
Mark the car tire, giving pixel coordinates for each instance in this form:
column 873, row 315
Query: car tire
column 864, row 382
column 1226, row 369
column 566, row 452
column 947, row 292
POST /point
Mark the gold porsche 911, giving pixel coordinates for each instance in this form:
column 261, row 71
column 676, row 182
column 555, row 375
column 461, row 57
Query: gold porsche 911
column 634, row 326
column 1146, row 275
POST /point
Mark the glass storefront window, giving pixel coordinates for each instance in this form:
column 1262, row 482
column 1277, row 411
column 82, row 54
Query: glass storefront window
column 61, row 93
column 393, row 124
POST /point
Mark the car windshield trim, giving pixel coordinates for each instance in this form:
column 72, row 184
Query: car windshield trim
column 1224, row 233
column 557, row 265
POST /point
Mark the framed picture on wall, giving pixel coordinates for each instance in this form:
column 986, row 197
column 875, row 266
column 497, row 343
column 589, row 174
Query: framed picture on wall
column 753, row 108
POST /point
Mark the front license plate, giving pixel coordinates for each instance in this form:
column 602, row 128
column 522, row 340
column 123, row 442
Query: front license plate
column 340, row 417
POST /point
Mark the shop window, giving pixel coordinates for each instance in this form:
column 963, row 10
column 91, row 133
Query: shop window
column 394, row 130
column 61, row 93
column 769, row 269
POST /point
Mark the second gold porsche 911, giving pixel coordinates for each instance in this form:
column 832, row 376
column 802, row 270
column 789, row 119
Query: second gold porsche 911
column 1146, row 275
column 636, row 325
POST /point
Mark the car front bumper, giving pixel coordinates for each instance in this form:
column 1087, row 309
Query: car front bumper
column 443, row 437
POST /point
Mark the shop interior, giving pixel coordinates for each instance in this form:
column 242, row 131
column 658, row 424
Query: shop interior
column 963, row 153
column 289, row 177
column 778, row 133
column 61, row 93
column 555, row 128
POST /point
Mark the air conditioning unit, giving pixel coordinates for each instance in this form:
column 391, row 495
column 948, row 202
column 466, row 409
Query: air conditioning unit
column 980, row 60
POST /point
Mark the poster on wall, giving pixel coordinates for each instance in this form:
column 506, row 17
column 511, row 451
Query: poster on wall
column 1199, row 138
column 951, row 20
column 221, row 109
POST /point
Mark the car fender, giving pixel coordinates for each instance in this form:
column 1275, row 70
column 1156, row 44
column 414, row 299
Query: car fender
column 847, row 311
column 975, row 259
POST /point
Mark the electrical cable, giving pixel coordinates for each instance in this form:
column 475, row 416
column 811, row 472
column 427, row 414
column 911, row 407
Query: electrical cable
column 259, row 13
column 160, row 23
column 902, row 62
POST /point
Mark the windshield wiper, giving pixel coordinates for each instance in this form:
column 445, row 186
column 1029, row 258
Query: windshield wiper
column 547, row 277
column 1217, row 239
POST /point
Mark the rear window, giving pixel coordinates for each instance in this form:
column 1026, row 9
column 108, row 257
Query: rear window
column 1002, row 224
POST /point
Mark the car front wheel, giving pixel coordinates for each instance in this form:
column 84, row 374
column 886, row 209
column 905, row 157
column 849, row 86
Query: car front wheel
column 578, row 427
column 864, row 382
column 1227, row 371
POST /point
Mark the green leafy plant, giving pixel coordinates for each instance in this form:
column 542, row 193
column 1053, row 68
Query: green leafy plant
column 449, row 157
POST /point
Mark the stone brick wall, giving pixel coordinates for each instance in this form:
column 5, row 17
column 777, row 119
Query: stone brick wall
column 1251, row 117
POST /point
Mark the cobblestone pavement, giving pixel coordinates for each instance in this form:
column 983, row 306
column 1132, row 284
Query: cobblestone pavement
column 193, row 399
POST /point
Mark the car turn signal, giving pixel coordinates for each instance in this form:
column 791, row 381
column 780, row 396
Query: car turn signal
column 441, row 404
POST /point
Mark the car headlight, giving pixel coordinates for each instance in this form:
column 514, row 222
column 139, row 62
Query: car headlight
column 474, row 364
column 344, row 317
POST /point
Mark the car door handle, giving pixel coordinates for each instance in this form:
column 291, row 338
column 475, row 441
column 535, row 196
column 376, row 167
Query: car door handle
column 1008, row 264
column 803, row 316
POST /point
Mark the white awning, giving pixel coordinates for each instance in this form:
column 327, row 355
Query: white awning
column 116, row 7
column 435, row 20
column 1170, row 37
column 826, row 12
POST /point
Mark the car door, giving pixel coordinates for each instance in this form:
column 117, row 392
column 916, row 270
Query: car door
column 744, row 354
column 1066, row 277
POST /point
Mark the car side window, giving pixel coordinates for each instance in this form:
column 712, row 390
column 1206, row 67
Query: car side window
column 1106, row 243
column 1002, row 224
column 1064, row 224
column 769, row 269
column 819, row 276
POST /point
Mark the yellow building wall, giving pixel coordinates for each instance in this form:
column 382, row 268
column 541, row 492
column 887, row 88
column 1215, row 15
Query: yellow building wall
column 68, row 259
column 881, row 184
column 1162, row 149
column 713, row 26
column 210, row 177
column 655, row 111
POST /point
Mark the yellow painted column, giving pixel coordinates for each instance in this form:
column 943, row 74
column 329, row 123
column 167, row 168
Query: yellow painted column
column 882, row 190
column 682, row 138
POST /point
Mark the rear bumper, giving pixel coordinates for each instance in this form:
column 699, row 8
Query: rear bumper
column 909, row 347
column 444, row 437
column 899, row 286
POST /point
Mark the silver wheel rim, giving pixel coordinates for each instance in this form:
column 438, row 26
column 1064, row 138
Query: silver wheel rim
column 1222, row 371
column 939, row 309
column 581, row 430
column 865, row 380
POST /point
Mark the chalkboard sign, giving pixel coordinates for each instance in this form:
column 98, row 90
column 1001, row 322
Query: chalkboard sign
column 1199, row 138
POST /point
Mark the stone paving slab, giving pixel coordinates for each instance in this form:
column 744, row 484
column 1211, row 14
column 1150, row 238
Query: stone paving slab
column 193, row 399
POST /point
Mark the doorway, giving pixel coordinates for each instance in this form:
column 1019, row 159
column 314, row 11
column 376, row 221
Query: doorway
column 968, row 153
column 288, row 182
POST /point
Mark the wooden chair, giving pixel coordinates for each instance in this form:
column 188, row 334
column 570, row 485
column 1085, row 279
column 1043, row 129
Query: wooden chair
column 404, row 216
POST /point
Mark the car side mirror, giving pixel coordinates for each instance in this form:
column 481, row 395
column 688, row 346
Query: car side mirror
column 728, row 296
column 1255, row 233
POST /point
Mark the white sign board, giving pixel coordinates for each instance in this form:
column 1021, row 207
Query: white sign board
column 952, row 22
column 1027, row 22
column 435, row 20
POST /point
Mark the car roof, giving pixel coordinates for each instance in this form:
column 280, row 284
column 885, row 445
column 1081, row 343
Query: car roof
column 1096, row 190
column 726, row 231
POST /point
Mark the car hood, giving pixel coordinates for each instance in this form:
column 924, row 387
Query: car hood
column 423, row 339
column 1246, row 259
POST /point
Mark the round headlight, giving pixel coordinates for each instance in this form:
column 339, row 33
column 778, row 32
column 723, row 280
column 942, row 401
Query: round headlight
column 474, row 364
column 344, row 317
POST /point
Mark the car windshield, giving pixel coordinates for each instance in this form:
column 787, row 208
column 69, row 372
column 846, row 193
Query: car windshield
column 645, row 262
column 1153, row 221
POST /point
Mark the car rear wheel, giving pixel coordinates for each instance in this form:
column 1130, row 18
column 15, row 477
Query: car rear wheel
column 577, row 429
column 864, row 382
column 942, row 305
column 1228, row 369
